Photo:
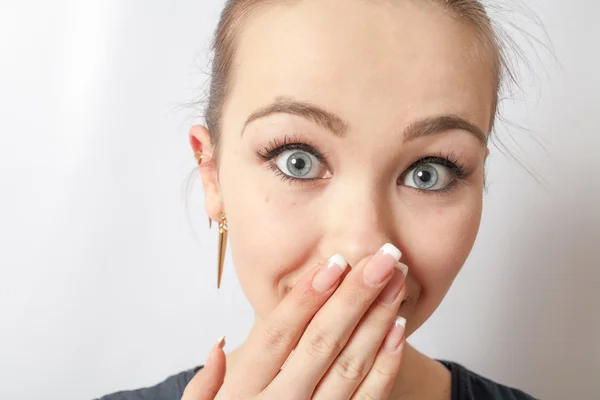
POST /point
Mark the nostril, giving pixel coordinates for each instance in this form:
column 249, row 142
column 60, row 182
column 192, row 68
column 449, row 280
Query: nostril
column 405, row 299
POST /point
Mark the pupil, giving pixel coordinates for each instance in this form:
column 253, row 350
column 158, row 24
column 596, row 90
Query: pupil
column 299, row 163
column 425, row 176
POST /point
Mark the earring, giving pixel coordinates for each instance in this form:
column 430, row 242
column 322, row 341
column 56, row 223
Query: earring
column 198, row 156
column 222, row 233
column 222, row 247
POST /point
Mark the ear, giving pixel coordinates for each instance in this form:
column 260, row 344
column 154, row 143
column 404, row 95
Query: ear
column 200, row 142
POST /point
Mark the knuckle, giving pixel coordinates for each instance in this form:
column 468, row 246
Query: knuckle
column 351, row 368
column 276, row 337
column 374, row 388
column 356, row 300
column 376, row 321
column 385, row 370
column 365, row 396
column 302, row 298
column 322, row 344
column 358, row 297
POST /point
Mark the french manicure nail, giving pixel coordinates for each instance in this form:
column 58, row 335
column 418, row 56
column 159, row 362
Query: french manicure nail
column 329, row 274
column 403, row 268
column 381, row 266
column 393, row 339
column 219, row 345
column 392, row 290
column 392, row 250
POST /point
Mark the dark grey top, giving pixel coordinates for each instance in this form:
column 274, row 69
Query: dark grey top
column 466, row 385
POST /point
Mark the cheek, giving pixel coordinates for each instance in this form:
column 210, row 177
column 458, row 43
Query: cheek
column 269, row 231
column 438, row 240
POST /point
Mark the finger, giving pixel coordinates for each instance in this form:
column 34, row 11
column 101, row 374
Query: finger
column 331, row 328
column 270, row 345
column 381, row 378
column 356, row 359
column 206, row 384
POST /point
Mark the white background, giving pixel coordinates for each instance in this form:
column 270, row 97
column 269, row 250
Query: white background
column 105, row 286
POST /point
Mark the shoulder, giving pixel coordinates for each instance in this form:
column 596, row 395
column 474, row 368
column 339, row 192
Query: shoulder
column 467, row 385
column 170, row 389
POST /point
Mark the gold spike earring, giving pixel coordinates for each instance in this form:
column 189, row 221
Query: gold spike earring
column 222, row 247
column 222, row 233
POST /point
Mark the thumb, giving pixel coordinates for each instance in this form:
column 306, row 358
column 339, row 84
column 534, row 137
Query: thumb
column 206, row 384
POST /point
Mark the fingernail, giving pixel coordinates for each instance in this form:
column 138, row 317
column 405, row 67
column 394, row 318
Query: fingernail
column 403, row 268
column 329, row 274
column 220, row 343
column 392, row 290
column 392, row 250
column 382, row 265
column 393, row 339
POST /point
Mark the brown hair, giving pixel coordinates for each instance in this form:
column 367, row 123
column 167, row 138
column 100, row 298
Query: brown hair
column 236, row 12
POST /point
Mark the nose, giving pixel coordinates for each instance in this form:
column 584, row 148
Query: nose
column 357, row 222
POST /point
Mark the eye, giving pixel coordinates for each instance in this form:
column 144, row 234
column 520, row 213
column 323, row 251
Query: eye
column 299, row 164
column 429, row 176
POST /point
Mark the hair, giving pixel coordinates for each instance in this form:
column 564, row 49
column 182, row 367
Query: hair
column 236, row 12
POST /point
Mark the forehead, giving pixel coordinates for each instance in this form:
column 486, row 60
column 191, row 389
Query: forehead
column 387, row 61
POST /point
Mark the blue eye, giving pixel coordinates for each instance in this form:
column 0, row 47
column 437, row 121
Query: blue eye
column 299, row 164
column 429, row 176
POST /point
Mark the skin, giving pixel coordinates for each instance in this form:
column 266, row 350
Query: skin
column 379, row 67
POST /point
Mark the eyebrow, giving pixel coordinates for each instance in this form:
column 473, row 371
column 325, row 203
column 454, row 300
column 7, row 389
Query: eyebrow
column 336, row 125
column 320, row 116
column 442, row 123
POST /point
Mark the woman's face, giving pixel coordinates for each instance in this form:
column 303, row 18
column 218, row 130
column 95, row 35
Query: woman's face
column 351, row 124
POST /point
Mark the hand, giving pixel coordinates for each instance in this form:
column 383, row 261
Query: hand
column 346, row 337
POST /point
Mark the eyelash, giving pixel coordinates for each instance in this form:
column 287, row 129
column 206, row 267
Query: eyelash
column 278, row 146
column 449, row 160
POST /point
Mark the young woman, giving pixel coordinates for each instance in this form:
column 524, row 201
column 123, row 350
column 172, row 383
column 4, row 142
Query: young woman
column 344, row 154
